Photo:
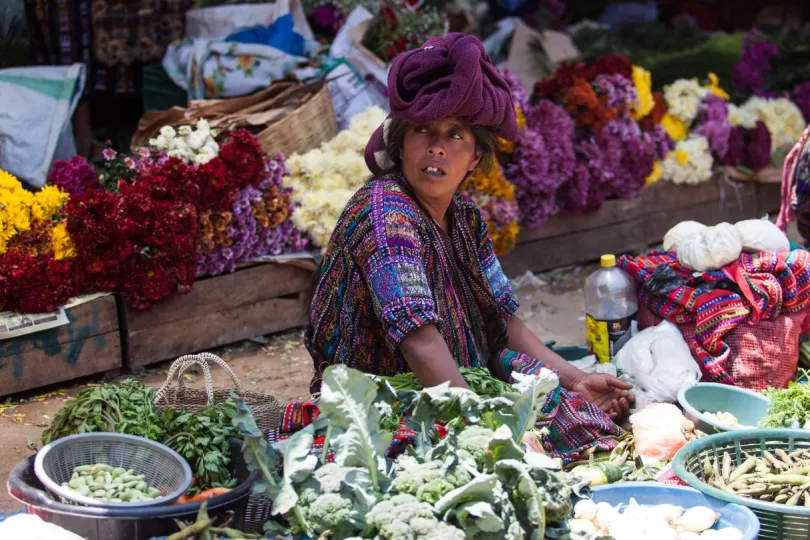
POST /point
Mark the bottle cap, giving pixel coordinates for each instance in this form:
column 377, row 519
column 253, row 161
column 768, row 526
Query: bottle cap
column 608, row 261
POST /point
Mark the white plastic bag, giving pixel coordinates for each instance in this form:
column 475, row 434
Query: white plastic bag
column 31, row 527
column 659, row 360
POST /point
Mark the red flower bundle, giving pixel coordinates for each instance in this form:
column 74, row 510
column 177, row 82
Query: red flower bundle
column 142, row 241
column 588, row 109
column 243, row 158
column 34, row 283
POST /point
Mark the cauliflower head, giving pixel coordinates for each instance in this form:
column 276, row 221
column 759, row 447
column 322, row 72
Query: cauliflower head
column 472, row 443
column 404, row 517
column 429, row 481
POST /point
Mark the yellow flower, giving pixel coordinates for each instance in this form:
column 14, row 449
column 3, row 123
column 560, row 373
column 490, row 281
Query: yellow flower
column 681, row 157
column 674, row 127
column 505, row 240
column 47, row 202
column 521, row 119
column 642, row 80
column 655, row 175
column 491, row 183
column 507, row 147
column 63, row 247
column 714, row 87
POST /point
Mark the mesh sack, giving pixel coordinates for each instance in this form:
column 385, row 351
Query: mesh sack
column 762, row 355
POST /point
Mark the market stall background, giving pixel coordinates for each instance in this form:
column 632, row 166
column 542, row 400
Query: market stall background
column 212, row 211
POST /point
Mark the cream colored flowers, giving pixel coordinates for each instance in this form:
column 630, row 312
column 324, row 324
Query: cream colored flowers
column 191, row 145
column 690, row 162
column 324, row 179
column 683, row 99
column 738, row 116
column 782, row 116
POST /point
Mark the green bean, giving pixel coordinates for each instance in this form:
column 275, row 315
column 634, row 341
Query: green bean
column 107, row 483
column 747, row 465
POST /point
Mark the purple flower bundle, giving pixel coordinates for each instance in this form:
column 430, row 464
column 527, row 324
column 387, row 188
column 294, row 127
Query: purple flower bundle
column 250, row 239
column 713, row 123
column 74, row 176
column 748, row 75
column 659, row 141
column 542, row 162
column 520, row 97
column 750, row 148
column 620, row 91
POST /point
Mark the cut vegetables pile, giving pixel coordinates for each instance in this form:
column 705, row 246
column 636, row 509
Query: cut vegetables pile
column 776, row 477
column 725, row 418
column 637, row 522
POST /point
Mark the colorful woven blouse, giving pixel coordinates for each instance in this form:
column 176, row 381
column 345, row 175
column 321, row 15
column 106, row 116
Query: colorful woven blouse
column 390, row 269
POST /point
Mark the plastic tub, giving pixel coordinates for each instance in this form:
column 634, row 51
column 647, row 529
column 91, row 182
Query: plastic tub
column 650, row 493
column 748, row 406
column 95, row 523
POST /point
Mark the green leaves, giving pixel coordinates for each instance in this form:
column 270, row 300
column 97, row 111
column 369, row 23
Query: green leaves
column 298, row 464
column 532, row 391
column 347, row 405
column 258, row 454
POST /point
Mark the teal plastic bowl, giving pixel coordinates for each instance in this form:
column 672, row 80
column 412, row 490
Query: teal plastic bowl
column 651, row 494
column 749, row 407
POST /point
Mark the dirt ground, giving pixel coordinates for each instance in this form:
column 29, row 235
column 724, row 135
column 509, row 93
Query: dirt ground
column 552, row 305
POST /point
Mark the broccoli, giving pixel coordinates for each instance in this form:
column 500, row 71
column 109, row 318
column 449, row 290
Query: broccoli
column 327, row 503
column 403, row 517
column 472, row 443
column 427, row 481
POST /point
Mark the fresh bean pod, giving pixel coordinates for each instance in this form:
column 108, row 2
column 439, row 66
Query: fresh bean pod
column 106, row 483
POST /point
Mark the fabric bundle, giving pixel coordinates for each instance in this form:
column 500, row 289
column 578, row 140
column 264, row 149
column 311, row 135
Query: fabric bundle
column 450, row 76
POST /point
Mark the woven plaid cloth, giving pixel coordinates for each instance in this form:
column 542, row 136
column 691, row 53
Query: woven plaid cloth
column 769, row 284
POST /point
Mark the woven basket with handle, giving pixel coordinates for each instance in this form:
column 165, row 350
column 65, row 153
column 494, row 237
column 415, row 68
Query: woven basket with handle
column 265, row 408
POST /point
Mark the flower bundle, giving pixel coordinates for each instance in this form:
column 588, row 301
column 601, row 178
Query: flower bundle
column 783, row 118
column 396, row 28
column 22, row 211
column 583, row 142
column 495, row 197
column 196, row 145
column 324, row 179
column 690, row 163
column 35, row 275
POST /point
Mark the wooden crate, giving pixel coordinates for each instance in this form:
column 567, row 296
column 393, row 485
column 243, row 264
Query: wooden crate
column 90, row 344
column 224, row 309
column 635, row 224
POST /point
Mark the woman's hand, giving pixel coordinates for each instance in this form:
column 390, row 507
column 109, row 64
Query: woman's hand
column 610, row 394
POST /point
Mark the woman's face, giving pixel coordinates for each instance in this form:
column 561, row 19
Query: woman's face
column 437, row 157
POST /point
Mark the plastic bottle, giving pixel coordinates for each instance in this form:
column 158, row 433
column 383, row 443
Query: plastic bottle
column 611, row 309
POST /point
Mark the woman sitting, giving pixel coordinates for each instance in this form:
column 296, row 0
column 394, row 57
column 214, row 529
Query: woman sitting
column 409, row 280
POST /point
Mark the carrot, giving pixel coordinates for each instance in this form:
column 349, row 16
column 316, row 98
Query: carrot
column 209, row 494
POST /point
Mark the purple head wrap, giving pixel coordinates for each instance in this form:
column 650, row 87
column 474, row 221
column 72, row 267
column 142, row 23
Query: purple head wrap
column 447, row 76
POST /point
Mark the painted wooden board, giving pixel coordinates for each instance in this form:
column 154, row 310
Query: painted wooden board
column 90, row 344
column 635, row 224
column 250, row 302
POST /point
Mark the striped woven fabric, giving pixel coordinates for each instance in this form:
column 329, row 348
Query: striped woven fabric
column 756, row 287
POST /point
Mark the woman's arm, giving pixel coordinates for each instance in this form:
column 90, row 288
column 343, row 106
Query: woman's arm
column 429, row 358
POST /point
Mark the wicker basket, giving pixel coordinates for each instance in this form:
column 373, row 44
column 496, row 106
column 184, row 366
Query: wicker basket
column 265, row 408
column 777, row 521
column 285, row 117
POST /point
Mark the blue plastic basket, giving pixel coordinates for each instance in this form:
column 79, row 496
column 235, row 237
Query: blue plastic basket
column 749, row 407
column 650, row 493
column 777, row 521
